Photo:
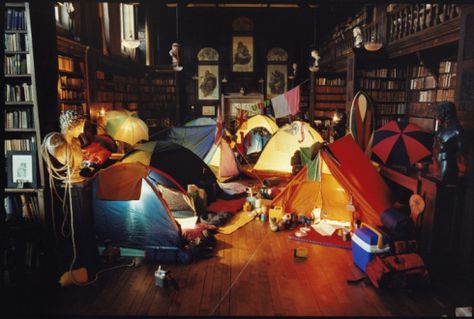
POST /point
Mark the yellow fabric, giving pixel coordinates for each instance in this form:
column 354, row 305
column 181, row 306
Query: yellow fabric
column 301, row 196
column 254, row 122
column 240, row 219
column 278, row 152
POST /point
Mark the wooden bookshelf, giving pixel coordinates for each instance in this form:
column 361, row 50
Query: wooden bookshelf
column 72, row 77
column 330, row 95
column 24, row 202
column 387, row 88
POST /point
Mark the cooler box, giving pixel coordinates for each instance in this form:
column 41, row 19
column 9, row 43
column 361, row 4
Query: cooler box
column 366, row 242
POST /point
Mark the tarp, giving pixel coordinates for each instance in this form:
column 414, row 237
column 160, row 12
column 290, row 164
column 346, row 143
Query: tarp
column 146, row 222
column 348, row 174
column 276, row 156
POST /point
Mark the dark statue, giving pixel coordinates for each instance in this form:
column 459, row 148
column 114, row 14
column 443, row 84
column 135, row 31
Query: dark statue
column 448, row 144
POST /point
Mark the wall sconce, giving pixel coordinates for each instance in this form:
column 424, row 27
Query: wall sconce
column 131, row 43
column 315, row 55
column 224, row 80
column 294, row 67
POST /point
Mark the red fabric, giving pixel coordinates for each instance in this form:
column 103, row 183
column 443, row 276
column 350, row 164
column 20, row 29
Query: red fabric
column 384, row 148
column 359, row 177
column 390, row 126
column 121, row 181
column 222, row 205
column 416, row 151
column 293, row 98
column 314, row 237
column 95, row 153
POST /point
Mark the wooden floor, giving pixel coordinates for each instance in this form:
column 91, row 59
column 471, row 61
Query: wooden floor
column 253, row 273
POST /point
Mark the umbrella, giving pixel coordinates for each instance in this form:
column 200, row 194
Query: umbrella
column 125, row 126
column 401, row 144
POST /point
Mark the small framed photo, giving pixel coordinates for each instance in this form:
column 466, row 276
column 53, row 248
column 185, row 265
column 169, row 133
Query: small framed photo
column 21, row 169
column 277, row 83
column 208, row 110
column 151, row 122
column 208, row 84
column 242, row 54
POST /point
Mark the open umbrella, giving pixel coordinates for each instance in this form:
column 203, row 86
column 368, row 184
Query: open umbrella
column 401, row 144
column 126, row 126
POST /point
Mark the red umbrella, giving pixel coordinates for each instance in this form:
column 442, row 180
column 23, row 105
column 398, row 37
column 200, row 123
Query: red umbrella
column 401, row 144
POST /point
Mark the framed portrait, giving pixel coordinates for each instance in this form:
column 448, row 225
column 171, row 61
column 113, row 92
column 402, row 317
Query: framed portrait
column 242, row 54
column 208, row 83
column 277, row 79
column 151, row 122
column 21, row 169
column 208, row 110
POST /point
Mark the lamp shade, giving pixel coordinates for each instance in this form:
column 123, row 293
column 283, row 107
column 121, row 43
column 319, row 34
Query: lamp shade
column 126, row 127
column 131, row 43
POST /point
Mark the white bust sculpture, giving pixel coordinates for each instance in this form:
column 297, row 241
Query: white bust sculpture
column 357, row 33
column 316, row 57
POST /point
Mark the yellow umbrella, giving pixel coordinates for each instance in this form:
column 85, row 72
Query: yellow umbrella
column 126, row 127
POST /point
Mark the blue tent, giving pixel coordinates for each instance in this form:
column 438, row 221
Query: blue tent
column 134, row 207
column 201, row 121
column 198, row 139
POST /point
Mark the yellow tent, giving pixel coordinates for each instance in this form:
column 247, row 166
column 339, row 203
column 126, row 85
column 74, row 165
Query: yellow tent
column 255, row 122
column 276, row 156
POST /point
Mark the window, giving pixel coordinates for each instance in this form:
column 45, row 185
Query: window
column 127, row 27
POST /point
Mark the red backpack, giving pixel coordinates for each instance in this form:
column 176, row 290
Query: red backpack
column 397, row 271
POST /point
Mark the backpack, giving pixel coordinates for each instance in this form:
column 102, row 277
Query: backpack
column 397, row 271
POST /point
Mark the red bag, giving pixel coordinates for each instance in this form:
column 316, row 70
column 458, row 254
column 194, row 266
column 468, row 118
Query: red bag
column 96, row 153
column 397, row 271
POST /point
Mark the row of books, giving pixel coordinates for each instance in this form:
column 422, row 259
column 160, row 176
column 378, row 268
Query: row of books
column 332, row 97
column 124, row 79
column 124, row 87
column 425, row 96
column 388, row 96
column 163, row 98
column 23, row 205
column 19, row 144
column 447, row 80
column 330, row 105
column 331, row 81
column 384, row 73
column 445, row 95
column 163, row 82
column 65, row 63
column 428, row 82
column 331, row 89
column 79, row 107
column 18, row 119
column 16, row 42
column 378, row 84
column 18, row 93
column 17, row 64
column 72, row 82
column 65, row 94
column 381, row 121
column 447, row 66
column 389, row 109
column 15, row 19
column 419, row 71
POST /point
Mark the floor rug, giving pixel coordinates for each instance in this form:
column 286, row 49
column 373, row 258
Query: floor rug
column 240, row 219
column 314, row 237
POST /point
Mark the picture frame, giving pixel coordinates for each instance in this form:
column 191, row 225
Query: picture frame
column 208, row 82
column 242, row 54
column 208, row 110
column 277, row 80
column 151, row 122
column 21, row 169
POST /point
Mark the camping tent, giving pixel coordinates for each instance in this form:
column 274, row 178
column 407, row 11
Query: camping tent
column 253, row 123
column 177, row 161
column 201, row 141
column 349, row 174
column 135, row 206
column 200, row 121
column 275, row 159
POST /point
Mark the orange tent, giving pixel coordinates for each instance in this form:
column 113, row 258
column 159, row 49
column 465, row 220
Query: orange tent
column 351, row 175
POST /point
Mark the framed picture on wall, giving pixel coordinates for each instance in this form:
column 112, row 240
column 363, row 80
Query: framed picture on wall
column 277, row 79
column 208, row 83
column 208, row 110
column 242, row 54
column 21, row 169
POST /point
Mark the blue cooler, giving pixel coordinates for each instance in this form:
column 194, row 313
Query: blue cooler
column 366, row 242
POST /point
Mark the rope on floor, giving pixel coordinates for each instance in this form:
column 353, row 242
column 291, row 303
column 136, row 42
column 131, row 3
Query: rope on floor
column 238, row 276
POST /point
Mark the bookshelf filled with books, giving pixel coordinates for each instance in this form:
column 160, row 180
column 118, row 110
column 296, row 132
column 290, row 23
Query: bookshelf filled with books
column 330, row 95
column 428, row 86
column 23, row 172
column 72, row 77
column 387, row 88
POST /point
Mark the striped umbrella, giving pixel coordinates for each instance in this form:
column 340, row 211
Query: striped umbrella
column 401, row 144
